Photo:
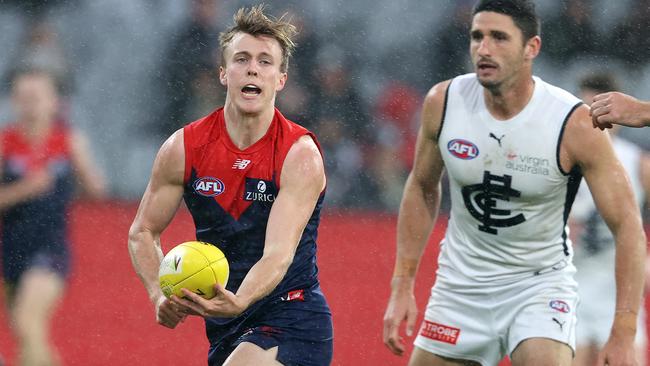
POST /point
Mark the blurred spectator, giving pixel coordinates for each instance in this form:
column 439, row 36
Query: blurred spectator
column 336, row 98
column 448, row 47
column 630, row 41
column 343, row 165
column 42, row 50
column 298, row 95
column 191, row 67
column 571, row 32
column 396, row 130
column 35, row 9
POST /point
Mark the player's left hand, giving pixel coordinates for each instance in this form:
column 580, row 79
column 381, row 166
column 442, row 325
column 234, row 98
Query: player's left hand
column 618, row 352
column 225, row 304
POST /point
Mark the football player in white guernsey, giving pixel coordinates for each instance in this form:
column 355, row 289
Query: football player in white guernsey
column 515, row 149
column 595, row 248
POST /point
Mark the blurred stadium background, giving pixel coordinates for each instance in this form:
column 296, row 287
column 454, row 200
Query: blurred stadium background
column 133, row 71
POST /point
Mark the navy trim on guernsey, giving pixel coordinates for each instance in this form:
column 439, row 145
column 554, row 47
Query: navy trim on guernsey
column 575, row 177
column 559, row 138
column 573, row 184
column 444, row 110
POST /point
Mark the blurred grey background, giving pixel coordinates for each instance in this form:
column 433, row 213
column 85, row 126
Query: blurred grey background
column 133, row 71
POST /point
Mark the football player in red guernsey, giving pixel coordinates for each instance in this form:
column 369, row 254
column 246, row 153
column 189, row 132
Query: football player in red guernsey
column 254, row 183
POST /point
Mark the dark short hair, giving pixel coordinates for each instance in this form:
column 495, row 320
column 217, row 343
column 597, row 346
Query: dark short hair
column 256, row 23
column 600, row 82
column 522, row 13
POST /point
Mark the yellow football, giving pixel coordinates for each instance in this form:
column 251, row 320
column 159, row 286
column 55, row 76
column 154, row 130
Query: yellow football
column 193, row 265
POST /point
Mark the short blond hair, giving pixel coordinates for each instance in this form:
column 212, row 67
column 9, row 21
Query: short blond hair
column 253, row 21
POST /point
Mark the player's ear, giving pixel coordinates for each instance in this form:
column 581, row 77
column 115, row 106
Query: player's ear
column 532, row 47
column 222, row 76
column 281, row 82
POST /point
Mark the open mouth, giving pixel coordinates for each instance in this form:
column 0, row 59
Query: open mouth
column 251, row 89
column 486, row 66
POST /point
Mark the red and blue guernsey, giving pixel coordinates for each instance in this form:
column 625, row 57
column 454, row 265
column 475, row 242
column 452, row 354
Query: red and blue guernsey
column 229, row 193
column 34, row 232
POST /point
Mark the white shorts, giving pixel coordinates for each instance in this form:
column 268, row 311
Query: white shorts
column 597, row 291
column 483, row 324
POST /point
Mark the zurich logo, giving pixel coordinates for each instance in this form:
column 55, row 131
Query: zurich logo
column 261, row 186
column 462, row 149
column 208, row 186
column 560, row 306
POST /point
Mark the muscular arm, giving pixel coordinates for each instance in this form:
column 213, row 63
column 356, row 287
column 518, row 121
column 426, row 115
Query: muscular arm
column 157, row 208
column 619, row 108
column 417, row 214
column 91, row 180
column 592, row 151
column 301, row 183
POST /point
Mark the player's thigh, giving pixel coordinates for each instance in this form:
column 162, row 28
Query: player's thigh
column 248, row 353
column 586, row 355
column 542, row 352
column 36, row 293
column 420, row 357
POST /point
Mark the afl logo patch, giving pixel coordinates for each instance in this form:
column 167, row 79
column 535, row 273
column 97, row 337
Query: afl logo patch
column 462, row 149
column 208, row 186
column 560, row 306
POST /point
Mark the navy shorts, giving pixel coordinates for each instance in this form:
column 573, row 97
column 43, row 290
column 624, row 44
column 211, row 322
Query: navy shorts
column 299, row 323
column 16, row 260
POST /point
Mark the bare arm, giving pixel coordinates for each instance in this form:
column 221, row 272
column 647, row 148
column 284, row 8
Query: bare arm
column 301, row 182
column 618, row 108
column 417, row 214
column 592, row 151
column 26, row 188
column 91, row 180
column 157, row 208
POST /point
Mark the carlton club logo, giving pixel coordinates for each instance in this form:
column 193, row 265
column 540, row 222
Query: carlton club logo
column 209, row 186
column 462, row 149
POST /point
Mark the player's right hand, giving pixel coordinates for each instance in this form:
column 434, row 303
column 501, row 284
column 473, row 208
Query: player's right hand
column 401, row 307
column 167, row 313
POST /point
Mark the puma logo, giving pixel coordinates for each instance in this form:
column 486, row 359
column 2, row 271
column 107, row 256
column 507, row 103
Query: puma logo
column 497, row 138
column 561, row 324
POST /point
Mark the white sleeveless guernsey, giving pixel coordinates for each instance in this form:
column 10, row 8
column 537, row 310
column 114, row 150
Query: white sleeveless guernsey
column 509, row 196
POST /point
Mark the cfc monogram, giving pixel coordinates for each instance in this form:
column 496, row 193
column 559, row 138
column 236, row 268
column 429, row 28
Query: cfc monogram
column 241, row 164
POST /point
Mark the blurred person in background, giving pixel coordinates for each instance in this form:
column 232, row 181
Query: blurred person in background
column 448, row 46
column 571, row 32
column 188, row 73
column 628, row 40
column 515, row 149
column 595, row 246
column 263, row 214
column 42, row 50
column 41, row 157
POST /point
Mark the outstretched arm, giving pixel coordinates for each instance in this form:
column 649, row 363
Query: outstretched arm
column 592, row 151
column 157, row 208
column 417, row 214
column 301, row 183
column 618, row 108
column 92, row 182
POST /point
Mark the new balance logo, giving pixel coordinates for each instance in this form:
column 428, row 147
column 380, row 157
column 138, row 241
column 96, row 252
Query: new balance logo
column 241, row 164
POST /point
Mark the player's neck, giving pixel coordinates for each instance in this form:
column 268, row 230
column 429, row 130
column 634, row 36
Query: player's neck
column 246, row 129
column 36, row 128
column 509, row 99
